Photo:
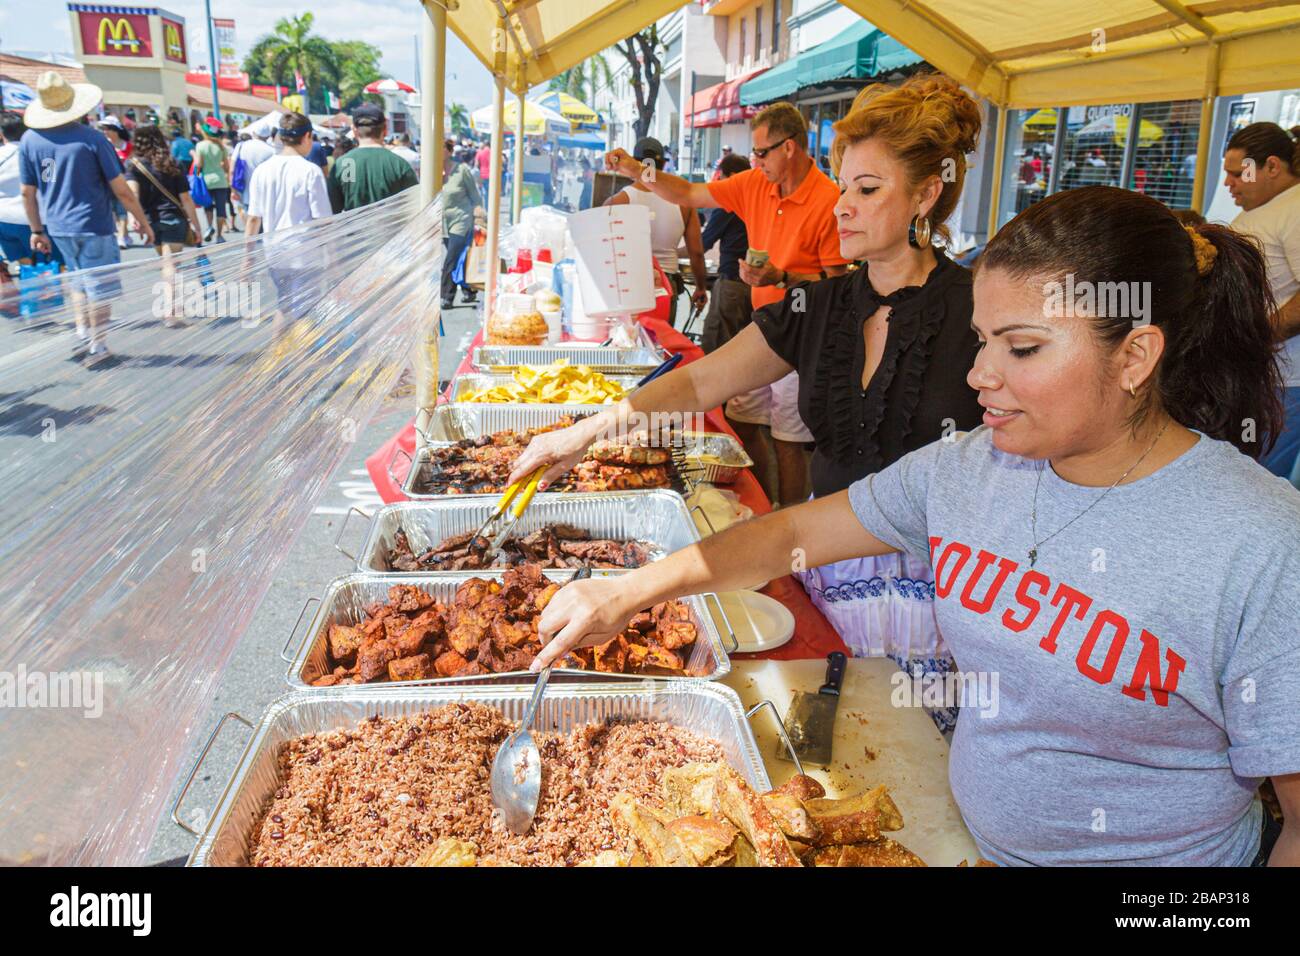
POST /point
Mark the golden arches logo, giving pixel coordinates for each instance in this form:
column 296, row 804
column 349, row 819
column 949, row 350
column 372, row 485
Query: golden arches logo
column 172, row 41
column 118, row 35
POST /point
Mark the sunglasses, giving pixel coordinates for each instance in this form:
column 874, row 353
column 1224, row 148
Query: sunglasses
column 761, row 153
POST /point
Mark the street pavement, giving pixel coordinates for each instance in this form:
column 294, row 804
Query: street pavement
column 255, row 675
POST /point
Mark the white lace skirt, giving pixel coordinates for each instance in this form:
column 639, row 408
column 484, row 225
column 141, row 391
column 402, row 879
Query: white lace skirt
column 884, row 607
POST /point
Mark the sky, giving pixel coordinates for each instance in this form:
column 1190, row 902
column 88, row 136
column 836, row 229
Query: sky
column 391, row 25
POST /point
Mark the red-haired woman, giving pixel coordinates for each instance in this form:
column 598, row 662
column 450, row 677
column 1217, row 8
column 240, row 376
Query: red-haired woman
column 881, row 352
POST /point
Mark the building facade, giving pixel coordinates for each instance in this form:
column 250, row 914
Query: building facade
column 136, row 55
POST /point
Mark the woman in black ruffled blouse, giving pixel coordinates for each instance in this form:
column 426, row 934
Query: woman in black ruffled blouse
column 882, row 352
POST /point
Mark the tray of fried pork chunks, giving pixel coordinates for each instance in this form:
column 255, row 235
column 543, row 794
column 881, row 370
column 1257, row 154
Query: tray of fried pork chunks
column 455, row 626
column 600, row 531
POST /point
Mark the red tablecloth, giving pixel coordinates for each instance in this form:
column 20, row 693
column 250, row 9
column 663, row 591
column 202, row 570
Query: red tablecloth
column 813, row 634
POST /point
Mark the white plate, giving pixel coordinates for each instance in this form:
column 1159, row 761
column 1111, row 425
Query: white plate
column 761, row 623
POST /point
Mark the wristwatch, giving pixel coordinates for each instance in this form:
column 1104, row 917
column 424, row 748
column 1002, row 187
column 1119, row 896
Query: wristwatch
column 784, row 276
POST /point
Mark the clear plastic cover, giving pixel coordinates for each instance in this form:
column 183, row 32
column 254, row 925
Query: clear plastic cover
column 152, row 496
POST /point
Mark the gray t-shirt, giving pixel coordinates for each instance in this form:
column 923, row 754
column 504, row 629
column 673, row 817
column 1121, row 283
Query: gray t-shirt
column 1148, row 665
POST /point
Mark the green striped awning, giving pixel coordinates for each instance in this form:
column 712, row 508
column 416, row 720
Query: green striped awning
column 861, row 52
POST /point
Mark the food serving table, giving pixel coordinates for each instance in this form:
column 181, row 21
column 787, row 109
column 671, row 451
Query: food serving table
column 875, row 743
column 814, row 637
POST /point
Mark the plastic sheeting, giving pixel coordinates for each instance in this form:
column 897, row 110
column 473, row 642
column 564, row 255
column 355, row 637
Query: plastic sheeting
column 149, row 501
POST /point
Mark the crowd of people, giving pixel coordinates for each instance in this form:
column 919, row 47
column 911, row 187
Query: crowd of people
column 76, row 188
column 1072, row 495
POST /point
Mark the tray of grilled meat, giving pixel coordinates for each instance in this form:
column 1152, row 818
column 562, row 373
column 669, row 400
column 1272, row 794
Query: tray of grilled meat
column 482, row 466
column 404, row 629
column 601, row 531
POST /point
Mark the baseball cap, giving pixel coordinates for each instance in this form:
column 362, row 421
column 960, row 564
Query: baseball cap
column 368, row 114
column 726, row 149
column 112, row 122
column 648, row 148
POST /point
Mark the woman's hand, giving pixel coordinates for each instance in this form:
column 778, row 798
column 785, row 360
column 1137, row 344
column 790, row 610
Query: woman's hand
column 559, row 451
column 583, row 614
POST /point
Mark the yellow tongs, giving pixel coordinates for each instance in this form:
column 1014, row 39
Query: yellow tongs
column 510, row 507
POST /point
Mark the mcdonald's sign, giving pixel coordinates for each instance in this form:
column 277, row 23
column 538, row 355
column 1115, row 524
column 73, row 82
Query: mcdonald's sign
column 111, row 31
column 174, row 41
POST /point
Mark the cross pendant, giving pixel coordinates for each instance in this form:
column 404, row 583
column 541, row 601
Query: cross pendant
column 1033, row 556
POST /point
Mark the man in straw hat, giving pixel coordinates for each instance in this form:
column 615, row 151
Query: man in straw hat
column 69, row 174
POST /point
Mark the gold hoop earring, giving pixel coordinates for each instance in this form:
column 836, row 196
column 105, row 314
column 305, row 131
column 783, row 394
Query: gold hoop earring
column 918, row 232
column 1131, row 390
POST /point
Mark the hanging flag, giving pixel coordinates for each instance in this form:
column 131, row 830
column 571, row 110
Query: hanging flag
column 332, row 100
column 299, row 82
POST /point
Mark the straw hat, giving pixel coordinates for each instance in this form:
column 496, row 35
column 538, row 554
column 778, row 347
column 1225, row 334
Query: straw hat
column 59, row 102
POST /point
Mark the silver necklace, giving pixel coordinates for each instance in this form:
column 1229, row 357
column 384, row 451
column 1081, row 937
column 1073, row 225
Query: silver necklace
column 1033, row 514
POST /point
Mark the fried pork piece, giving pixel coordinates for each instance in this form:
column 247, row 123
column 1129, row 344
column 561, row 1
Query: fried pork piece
column 708, row 842
column 674, row 634
column 608, row 858
column 449, row 664
column 544, row 596
column 611, row 657
column 648, row 830
column 746, row 811
column 688, row 790
column 791, row 816
column 416, row 667
column 802, row 787
column 407, row 597
column 343, row 643
column 644, row 657
column 857, row 819
column 373, row 657
column 449, row 852
column 882, row 852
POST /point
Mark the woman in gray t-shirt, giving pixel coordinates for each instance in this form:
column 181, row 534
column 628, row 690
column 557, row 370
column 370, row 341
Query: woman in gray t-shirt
column 1109, row 560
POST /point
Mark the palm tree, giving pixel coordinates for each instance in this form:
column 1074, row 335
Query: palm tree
column 584, row 80
column 292, row 47
column 458, row 115
column 358, row 67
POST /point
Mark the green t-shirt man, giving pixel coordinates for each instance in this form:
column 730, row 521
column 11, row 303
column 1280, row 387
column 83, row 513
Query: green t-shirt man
column 367, row 174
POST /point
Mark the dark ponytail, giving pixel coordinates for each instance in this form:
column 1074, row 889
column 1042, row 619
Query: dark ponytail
column 1218, row 373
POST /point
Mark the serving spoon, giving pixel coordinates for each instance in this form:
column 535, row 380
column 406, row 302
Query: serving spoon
column 517, row 767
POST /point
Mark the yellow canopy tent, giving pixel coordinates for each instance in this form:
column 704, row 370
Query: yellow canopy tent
column 1115, row 128
column 1025, row 54
column 538, row 120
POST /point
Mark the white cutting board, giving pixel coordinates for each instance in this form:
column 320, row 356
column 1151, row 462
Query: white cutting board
column 875, row 743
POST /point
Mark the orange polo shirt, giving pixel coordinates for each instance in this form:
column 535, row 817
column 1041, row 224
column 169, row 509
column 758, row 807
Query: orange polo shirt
column 797, row 232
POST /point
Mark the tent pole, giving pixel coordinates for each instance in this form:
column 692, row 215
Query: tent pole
column 518, row 193
column 494, row 185
column 432, row 90
column 1206, row 130
column 999, row 159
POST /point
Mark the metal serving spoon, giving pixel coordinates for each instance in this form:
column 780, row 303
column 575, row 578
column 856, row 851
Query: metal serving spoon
column 517, row 767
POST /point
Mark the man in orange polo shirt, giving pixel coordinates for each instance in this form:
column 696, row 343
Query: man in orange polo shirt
column 787, row 205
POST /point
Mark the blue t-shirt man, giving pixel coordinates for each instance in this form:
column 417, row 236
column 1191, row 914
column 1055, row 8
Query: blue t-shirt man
column 182, row 150
column 71, row 167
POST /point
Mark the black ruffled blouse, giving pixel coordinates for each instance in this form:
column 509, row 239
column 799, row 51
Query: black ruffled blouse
column 919, row 389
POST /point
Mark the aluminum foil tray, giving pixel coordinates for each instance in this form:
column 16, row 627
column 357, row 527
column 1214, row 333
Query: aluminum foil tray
column 347, row 596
